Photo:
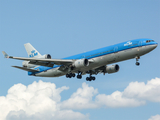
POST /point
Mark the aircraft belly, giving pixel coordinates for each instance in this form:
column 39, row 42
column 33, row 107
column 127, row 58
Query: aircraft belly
column 126, row 54
column 51, row 73
column 145, row 49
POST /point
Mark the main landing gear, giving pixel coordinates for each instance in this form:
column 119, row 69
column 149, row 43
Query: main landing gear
column 79, row 76
column 137, row 63
column 90, row 78
column 70, row 75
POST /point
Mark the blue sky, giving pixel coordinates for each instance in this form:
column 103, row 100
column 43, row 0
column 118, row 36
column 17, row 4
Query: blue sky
column 67, row 27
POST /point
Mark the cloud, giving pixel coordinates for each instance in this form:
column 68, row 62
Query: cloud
column 142, row 91
column 42, row 100
column 135, row 94
column 81, row 99
column 38, row 100
column 156, row 117
column 116, row 99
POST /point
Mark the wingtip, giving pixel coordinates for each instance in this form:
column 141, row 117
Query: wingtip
column 5, row 54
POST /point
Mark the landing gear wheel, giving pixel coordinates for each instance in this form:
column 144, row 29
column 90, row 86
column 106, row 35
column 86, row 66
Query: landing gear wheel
column 73, row 75
column 90, row 78
column 87, row 78
column 67, row 75
column 79, row 76
column 137, row 63
column 137, row 58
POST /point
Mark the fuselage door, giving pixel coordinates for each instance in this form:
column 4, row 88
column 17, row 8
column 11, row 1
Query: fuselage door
column 139, row 49
column 140, row 43
column 115, row 49
column 116, row 54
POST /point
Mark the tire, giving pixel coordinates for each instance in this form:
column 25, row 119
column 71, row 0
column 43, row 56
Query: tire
column 66, row 75
column 73, row 75
column 137, row 63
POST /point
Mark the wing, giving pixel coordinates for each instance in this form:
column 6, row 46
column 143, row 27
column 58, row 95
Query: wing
column 26, row 69
column 45, row 62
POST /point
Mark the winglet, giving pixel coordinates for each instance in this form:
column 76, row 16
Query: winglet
column 5, row 54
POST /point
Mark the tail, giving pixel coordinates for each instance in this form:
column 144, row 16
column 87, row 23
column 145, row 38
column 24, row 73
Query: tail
column 31, row 51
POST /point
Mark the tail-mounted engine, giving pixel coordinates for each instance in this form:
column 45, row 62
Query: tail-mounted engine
column 81, row 63
column 112, row 69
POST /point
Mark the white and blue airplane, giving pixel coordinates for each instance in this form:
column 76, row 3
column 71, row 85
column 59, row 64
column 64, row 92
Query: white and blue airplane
column 92, row 62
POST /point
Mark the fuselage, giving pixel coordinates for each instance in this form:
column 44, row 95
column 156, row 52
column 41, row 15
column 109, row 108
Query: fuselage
column 103, row 56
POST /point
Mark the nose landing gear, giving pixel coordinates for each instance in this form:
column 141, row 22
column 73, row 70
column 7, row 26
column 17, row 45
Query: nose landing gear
column 137, row 59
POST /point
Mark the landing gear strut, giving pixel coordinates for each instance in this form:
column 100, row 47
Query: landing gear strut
column 137, row 63
column 79, row 76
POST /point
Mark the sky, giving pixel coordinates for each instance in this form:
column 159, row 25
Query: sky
column 63, row 28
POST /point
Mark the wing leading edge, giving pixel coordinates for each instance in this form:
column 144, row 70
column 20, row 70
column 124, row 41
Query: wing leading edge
column 43, row 62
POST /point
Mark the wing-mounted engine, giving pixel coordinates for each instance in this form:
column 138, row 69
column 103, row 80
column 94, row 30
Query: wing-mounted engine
column 27, row 65
column 46, row 56
column 32, row 64
column 112, row 69
column 81, row 63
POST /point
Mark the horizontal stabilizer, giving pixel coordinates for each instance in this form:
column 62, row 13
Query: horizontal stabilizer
column 26, row 69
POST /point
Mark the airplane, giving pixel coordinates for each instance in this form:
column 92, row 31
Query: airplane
column 92, row 62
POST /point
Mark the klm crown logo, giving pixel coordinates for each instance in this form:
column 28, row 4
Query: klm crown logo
column 128, row 43
column 33, row 53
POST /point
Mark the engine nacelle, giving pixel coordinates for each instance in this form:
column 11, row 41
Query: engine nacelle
column 46, row 56
column 27, row 65
column 81, row 63
column 112, row 69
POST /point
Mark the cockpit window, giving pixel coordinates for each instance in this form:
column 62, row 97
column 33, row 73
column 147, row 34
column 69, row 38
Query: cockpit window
column 149, row 41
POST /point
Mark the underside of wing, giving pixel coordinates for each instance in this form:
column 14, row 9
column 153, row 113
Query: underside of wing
column 26, row 69
column 45, row 62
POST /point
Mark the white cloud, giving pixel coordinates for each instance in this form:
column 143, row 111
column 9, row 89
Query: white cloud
column 42, row 100
column 135, row 94
column 81, row 99
column 39, row 100
column 116, row 99
column 140, row 90
column 156, row 117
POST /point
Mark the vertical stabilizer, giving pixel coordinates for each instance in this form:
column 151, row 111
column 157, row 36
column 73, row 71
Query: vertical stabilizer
column 31, row 51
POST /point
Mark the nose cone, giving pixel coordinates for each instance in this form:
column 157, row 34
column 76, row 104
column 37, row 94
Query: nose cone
column 155, row 45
